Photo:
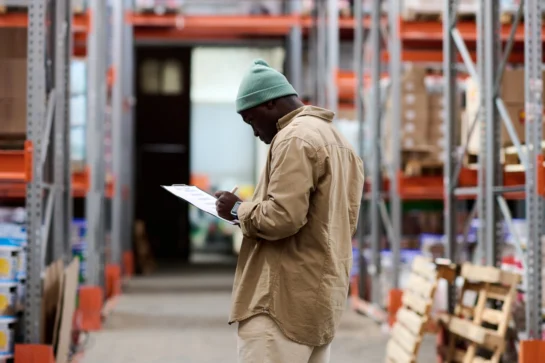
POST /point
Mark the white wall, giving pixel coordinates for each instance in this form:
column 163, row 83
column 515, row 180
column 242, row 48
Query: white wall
column 222, row 145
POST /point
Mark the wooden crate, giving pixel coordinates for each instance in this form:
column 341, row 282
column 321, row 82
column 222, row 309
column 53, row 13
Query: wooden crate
column 478, row 331
column 12, row 9
column 413, row 319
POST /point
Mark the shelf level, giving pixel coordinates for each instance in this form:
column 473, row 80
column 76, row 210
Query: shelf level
column 15, row 173
column 80, row 28
column 80, row 22
column 413, row 188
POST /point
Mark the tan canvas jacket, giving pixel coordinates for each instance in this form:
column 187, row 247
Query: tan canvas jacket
column 296, row 255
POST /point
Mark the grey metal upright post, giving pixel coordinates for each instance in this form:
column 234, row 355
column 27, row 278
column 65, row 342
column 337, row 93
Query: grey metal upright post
column 332, row 53
column 535, row 203
column 375, row 170
column 493, row 169
column 395, row 94
column 481, row 201
column 126, row 74
column 449, row 91
column 360, row 117
column 296, row 48
column 36, row 112
column 358, row 99
column 95, row 203
column 358, row 72
column 62, row 173
column 118, row 132
column 321, row 55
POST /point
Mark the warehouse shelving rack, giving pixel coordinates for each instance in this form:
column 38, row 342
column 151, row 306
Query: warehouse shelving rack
column 490, row 185
column 43, row 167
column 44, row 164
column 491, row 189
column 418, row 42
column 16, row 168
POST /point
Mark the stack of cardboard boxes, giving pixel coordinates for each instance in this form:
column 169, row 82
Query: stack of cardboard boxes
column 414, row 106
column 423, row 132
column 414, row 117
column 13, row 82
column 437, row 128
column 512, row 94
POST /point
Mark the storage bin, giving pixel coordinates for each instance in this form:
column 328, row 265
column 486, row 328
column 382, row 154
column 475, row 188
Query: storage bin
column 9, row 260
column 8, row 297
column 7, row 337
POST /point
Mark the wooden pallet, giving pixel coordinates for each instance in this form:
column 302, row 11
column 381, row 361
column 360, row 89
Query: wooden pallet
column 12, row 142
column 511, row 159
column 413, row 319
column 508, row 17
column 159, row 10
column 481, row 326
column 12, row 9
column 437, row 16
column 416, row 167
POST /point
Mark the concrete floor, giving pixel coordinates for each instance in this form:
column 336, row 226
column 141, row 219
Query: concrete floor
column 182, row 318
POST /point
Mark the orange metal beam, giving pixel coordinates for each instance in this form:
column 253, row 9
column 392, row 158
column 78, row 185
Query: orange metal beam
column 12, row 166
column 192, row 27
column 433, row 31
column 16, row 171
column 20, row 20
column 250, row 25
column 13, row 20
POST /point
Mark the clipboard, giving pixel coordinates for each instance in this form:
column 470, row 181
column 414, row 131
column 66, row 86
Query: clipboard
column 198, row 198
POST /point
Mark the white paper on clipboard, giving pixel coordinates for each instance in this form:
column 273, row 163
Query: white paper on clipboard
column 198, row 198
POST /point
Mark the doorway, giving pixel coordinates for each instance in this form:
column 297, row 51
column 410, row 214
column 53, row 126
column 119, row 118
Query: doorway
column 162, row 147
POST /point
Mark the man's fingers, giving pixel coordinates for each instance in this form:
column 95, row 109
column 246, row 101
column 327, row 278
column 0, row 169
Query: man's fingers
column 219, row 193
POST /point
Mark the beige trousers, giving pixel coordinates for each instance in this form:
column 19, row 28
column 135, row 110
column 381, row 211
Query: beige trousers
column 261, row 341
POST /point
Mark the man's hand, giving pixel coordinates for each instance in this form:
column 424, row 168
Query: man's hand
column 225, row 204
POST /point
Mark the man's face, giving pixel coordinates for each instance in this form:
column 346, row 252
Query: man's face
column 263, row 119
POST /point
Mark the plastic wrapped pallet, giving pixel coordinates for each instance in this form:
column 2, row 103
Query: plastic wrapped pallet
column 512, row 94
column 413, row 8
column 211, row 7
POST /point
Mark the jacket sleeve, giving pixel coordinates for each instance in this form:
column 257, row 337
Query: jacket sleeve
column 294, row 171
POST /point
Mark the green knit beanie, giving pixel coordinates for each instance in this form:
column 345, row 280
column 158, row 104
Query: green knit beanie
column 261, row 84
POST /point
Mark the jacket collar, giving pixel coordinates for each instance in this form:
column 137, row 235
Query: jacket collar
column 322, row 113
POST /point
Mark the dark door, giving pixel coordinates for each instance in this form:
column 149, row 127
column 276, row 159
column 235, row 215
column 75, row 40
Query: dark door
column 162, row 146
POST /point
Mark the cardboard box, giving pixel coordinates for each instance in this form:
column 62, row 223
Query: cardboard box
column 436, row 100
column 431, row 222
column 414, row 113
column 13, row 78
column 14, row 43
column 515, row 109
column 512, row 86
column 414, row 126
column 517, row 116
column 13, row 116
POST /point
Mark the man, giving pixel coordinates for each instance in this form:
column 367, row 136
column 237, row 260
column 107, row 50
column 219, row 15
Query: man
column 292, row 277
